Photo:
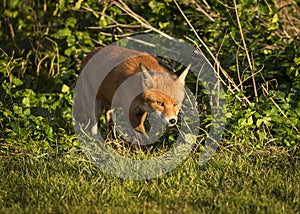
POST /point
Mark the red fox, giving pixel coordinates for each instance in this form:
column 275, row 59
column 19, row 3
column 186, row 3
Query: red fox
column 162, row 92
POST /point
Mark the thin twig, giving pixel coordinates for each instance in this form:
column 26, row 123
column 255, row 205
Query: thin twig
column 246, row 51
column 125, row 34
column 291, row 23
column 199, row 8
column 120, row 4
column 257, row 72
column 38, row 67
column 238, row 67
column 113, row 26
column 232, row 83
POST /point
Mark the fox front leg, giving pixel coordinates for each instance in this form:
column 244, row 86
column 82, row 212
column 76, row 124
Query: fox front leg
column 141, row 120
column 110, row 126
column 94, row 121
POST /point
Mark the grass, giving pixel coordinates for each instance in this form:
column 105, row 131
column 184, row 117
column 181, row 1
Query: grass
column 232, row 182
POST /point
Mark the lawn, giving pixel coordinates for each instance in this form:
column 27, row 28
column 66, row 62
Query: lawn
column 232, row 182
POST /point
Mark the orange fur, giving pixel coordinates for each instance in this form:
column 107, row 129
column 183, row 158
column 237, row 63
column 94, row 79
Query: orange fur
column 162, row 92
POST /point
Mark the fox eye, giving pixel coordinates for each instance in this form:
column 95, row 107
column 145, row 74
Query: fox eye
column 175, row 104
column 160, row 103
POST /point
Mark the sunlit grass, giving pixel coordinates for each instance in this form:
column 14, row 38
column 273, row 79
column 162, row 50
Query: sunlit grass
column 231, row 182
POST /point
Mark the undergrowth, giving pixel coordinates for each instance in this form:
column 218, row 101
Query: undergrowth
column 252, row 45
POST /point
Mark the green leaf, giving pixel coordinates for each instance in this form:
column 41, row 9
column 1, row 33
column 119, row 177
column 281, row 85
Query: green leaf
column 71, row 22
column 7, row 113
column 228, row 115
column 61, row 5
column 13, row 3
column 65, row 88
column 250, row 121
column 26, row 101
column 78, row 4
column 62, row 33
column 259, row 122
column 16, row 81
column 17, row 109
column 297, row 60
column 26, row 112
column 275, row 18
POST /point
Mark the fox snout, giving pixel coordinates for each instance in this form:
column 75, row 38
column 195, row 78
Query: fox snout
column 165, row 120
column 172, row 122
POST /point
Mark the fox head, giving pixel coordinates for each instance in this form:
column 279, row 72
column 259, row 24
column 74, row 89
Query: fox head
column 163, row 94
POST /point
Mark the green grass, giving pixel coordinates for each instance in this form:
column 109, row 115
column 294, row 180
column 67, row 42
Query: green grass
column 232, row 182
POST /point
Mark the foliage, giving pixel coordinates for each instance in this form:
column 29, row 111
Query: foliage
column 40, row 120
column 46, row 41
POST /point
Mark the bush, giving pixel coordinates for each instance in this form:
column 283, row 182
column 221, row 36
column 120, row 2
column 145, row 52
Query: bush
column 257, row 44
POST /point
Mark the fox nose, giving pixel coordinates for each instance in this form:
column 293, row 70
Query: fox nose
column 172, row 121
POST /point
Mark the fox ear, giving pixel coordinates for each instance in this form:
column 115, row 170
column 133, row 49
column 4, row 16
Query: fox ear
column 181, row 78
column 147, row 80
